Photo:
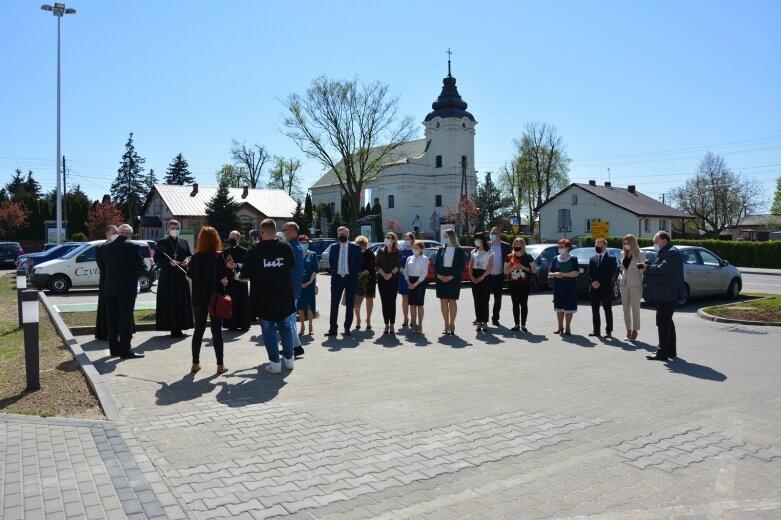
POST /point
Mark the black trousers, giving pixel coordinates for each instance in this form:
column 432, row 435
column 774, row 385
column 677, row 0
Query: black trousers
column 348, row 286
column 388, row 291
column 481, row 293
column 666, row 328
column 519, row 293
column 120, row 323
column 200, row 315
column 602, row 297
column 496, row 284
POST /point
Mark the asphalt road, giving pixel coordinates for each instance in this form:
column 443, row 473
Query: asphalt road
column 761, row 283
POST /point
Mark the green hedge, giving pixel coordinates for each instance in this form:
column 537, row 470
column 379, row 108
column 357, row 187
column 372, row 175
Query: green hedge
column 739, row 253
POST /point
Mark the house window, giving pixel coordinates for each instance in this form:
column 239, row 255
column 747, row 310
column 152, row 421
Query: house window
column 647, row 225
column 564, row 220
column 588, row 223
column 663, row 224
column 333, row 208
column 439, row 161
column 438, row 201
column 391, row 202
column 574, row 199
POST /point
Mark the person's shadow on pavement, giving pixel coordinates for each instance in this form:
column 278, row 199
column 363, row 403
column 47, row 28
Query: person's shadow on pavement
column 254, row 386
column 681, row 366
column 186, row 389
column 581, row 341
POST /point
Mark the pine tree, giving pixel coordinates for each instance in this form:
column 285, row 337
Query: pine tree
column 775, row 209
column 299, row 218
column 151, row 180
column 129, row 189
column 16, row 184
column 178, row 173
column 32, row 186
column 489, row 202
column 308, row 211
column 221, row 212
column 378, row 223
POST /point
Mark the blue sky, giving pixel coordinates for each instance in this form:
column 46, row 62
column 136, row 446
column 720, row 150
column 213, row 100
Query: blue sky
column 642, row 88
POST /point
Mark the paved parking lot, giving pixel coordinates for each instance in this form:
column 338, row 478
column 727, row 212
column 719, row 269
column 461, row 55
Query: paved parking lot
column 496, row 425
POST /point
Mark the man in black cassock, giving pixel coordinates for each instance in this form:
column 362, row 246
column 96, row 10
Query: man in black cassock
column 174, row 305
column 234, row 259
column 101, row 319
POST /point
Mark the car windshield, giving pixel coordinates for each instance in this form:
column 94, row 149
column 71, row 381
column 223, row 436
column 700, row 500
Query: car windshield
column 9, row 247
column 59, row 250
column 535, row 249
column 75, row 252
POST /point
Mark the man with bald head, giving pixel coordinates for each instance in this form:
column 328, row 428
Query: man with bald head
column 101, row 318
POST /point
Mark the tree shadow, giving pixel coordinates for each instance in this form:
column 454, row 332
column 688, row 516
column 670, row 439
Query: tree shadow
column 579, row 340
column 681, row 366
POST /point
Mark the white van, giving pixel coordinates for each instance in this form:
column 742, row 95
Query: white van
column 79, row 269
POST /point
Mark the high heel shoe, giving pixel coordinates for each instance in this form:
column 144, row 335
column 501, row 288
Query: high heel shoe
column 634, row 335
column 560, row 331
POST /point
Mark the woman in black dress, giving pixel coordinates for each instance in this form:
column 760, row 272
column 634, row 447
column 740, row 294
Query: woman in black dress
column 448, row 269
column 209, row 275
column 367, row 284
column 388, row 264
column 563, row 271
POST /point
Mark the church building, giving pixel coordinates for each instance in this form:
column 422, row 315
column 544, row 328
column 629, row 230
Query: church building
column 425, row 177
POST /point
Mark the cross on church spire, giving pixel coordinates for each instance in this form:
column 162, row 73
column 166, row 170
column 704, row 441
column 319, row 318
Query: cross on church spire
column 448, row 61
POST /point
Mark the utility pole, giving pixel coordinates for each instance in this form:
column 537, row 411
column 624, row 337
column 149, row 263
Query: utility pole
column 64, row 192
column 463, row 178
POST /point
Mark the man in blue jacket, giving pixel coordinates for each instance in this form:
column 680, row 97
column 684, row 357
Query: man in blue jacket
column 663, row 285
column 345, row 259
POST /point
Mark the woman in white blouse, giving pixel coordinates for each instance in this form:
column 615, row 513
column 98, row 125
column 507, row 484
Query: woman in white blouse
column 415, row 273
column 481, row 262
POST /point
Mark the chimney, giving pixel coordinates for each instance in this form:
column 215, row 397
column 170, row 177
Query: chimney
column 607, row 185
column 245, row 192
column 195, row 190
column 631, row 188
column 592, row 183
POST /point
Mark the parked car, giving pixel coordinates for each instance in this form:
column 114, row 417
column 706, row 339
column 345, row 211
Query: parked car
column 9, row 252
column 705, row 274
column 78, row 268
column 318, row 245
column 324, row 265
column 431, row 253
column 583, row 255
column 29, row 260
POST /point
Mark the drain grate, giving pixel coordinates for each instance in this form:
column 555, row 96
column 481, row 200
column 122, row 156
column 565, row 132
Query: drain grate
column 740, row 330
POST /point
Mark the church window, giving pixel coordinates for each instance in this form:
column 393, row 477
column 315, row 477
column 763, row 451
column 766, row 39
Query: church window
column 438, row 201
column 391, row 204
column 439, row 161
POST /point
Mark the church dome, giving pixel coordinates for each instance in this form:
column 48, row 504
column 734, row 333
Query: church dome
column 449, row 102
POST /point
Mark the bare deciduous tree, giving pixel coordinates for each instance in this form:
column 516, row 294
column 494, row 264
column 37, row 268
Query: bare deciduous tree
column 717, row 197
column 252, row 158
column 284, row 176
column 351, row 128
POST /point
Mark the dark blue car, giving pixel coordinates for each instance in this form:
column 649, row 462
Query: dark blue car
column 29, row 260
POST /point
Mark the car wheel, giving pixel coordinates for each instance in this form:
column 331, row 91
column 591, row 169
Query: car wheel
column 733, row 291
column 616, row 291
column 59, row 284
column 145, row 282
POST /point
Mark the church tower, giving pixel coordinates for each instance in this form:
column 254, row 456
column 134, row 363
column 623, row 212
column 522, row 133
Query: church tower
column 450, row 136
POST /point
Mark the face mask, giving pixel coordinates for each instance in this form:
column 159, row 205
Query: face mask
column 517, row 249
column 478, row 243
column 388, row 242
column 343, row 238
column 408, row 244
column 628, row 247
column 657, row 247
column 232, row 241
column 304, row 247
column 492, row 237
column 173, row 232
column 598, row 249
column 447, row 241
column 561, row 250
column 417, row 252
column 113, row 237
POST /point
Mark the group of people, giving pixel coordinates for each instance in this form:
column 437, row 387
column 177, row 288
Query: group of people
column 282, row 275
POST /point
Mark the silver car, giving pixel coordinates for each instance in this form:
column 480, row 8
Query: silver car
column 704, row 273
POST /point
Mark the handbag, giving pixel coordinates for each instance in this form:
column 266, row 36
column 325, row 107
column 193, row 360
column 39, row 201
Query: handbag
column 220, row 305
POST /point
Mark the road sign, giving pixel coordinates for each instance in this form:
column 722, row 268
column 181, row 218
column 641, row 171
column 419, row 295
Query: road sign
column 600, row 229
column 515, row 222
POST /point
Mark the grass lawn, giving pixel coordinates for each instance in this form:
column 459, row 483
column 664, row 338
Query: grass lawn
column 64, row 391
column 87, row 319
column 767, row 310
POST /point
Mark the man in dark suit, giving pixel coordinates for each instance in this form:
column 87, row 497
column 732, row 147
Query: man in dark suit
column 496, row 278
column 663, row 284
column 601, row 268
column 123, row 265
column 346, row 261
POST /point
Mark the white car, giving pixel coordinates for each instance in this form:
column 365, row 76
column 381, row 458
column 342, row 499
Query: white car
column 79, row 269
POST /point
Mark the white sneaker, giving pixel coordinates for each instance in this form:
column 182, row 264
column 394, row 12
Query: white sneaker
column 289, row 362
column 274, row 368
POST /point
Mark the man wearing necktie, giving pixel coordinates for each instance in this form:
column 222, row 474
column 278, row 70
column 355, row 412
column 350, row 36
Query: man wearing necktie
column 601, row 268
column 346, row 261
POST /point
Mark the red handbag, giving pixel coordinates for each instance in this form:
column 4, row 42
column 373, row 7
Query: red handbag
column 220, row 305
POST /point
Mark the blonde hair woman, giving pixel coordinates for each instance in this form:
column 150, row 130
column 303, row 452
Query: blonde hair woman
column 631, row 285
column 519, row 267
column 448, row 270
column 367, row 284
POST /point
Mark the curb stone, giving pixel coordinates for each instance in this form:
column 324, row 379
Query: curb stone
column 718, row 319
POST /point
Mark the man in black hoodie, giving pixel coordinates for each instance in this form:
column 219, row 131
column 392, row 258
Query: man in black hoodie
column 268, row 267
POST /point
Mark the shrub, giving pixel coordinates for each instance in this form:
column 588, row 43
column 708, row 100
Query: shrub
column 79, row 237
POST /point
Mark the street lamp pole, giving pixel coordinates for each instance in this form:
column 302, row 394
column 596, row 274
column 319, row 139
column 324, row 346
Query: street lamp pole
column 58, row 10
